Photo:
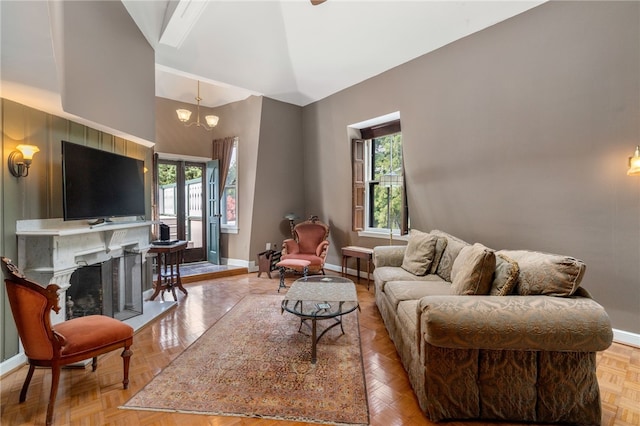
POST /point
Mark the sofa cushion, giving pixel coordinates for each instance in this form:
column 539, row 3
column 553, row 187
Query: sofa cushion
column 505, row 275
column 454, row 245
column 441, row 244
column 548, row 274
column 385, row 274
column 399, row 291
column 419, row 253
column 472, row 271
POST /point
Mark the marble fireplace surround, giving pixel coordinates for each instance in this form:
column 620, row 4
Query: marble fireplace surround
column 50, row 250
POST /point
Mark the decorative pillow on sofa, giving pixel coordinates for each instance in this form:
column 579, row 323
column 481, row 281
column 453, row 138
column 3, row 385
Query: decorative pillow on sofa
column 543, row 273
column 419, row 253
column 441, row 244
column 505, row 275
column 451, row 250
column 472, row 271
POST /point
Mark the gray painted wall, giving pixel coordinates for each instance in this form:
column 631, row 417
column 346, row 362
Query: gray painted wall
column 515, row 137
column 269, row 159
column 106, row 67
column 279, row 175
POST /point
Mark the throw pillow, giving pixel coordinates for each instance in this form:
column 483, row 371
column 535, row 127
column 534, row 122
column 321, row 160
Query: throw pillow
column 472, row 270
column 453, row 247
column 505, row 275
column 441, row 244
column 548, row 274
column 419, row 253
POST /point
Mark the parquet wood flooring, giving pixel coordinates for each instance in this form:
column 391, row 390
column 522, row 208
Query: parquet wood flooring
column 86, row 398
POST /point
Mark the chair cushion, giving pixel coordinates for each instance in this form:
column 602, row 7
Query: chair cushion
column 312, row 258
column 91, row 332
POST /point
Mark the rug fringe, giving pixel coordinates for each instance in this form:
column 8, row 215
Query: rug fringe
column 252, row 416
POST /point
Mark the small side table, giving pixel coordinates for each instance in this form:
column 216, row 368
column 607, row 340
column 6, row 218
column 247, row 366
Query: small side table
column 171, row 255
column 267, row 261
column 358, row 253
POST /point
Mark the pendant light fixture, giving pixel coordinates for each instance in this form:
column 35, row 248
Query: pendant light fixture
column 185, row 114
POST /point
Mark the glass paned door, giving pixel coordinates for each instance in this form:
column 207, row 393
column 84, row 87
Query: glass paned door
column 181, row 204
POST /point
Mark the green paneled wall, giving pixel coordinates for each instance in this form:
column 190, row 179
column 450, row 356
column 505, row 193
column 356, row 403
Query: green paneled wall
column 39, row 195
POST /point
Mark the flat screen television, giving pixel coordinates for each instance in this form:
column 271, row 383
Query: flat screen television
column 97, row 184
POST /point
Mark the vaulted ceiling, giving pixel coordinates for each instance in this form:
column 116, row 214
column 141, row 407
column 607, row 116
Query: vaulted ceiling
column 286, row 50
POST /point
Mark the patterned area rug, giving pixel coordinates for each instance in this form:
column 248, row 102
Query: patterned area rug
column 253, row 362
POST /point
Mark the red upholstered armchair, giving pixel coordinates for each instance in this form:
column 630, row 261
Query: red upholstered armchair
column 65, row 343
column 309, row 242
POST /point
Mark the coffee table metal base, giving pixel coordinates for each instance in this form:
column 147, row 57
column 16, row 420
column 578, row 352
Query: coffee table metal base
column 320, row 298
column 314, row 332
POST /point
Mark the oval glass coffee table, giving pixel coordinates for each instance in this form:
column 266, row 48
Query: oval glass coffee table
column 320, row 297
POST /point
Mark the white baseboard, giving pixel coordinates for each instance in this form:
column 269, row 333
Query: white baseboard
column 12, row 363
column 626, row 338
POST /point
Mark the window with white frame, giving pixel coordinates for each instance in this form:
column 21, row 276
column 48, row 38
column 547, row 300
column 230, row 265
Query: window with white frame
column 379, row 201
column 229, row 198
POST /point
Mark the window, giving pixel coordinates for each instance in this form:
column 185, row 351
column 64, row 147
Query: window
column 229, row 198
column 379, row 201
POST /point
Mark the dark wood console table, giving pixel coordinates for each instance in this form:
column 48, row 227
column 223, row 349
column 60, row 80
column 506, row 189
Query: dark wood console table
column 171, row 256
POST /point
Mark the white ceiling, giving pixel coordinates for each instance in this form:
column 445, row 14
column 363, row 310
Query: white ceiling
column 286, row 50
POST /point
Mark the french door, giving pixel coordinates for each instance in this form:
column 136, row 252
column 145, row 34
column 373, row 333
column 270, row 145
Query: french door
column 181, row 204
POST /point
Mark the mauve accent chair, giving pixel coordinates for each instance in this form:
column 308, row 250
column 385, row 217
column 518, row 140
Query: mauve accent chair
column 65, row 343
column 309, row 242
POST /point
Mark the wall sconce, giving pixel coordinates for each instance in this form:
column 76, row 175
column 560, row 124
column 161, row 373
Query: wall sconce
column 634, row 163
column 20, row 159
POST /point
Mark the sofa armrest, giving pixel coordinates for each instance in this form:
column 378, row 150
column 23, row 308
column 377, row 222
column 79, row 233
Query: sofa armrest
column 388, row 255
column 546, row 323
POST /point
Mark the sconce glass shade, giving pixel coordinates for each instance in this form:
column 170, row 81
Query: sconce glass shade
column 20, row 160
column 183, row 115
column 634, row 163
column 212, row 120
column 27, row 151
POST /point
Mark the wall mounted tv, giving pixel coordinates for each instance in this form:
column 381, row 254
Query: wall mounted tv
column 97, row 184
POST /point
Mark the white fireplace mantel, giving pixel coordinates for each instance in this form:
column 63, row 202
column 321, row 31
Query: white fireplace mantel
column 50, row 250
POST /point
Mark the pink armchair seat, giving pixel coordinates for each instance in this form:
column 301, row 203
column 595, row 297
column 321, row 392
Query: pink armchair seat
column 309, row 243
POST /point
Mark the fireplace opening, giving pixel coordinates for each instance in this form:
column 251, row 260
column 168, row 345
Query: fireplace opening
column 112, row 288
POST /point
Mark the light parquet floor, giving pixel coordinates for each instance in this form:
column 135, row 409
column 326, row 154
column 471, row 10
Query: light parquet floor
column 86, row 398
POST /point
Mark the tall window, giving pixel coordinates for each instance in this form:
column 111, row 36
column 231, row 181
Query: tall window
column 379, row 202
column 229, row 198
column 384, row 182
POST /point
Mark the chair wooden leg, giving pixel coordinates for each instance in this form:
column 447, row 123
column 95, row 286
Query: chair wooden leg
column 55, row 379
column 94, row 364
column 27, row 380
column 126, row 357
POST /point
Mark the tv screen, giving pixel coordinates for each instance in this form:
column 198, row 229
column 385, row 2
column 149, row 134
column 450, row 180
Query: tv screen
column 98, row 184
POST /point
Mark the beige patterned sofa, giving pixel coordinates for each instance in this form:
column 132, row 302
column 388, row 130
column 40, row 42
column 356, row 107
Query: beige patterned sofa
column 493, row 335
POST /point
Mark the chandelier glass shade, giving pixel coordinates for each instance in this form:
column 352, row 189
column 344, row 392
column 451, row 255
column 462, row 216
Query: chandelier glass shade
column 184, row 115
